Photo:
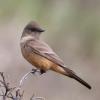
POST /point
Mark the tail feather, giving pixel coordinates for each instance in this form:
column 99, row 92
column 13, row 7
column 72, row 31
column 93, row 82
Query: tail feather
column 71, row 74
column 81, row 81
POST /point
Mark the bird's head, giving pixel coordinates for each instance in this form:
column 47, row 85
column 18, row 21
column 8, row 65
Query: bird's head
column 33, row 29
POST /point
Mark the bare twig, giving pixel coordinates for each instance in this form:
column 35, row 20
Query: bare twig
column 33, row 71
column 36, row 98
column 6, row 92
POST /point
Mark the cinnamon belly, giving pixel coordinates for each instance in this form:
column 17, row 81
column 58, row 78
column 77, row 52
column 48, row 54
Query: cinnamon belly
column 39, row 61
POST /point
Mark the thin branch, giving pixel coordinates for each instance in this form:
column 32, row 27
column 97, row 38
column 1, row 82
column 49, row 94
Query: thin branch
column 14, row 93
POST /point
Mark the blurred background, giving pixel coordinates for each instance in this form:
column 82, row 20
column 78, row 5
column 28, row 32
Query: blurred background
column 72, row 30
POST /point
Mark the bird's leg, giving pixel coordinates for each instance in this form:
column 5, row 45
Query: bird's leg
column 42, row 71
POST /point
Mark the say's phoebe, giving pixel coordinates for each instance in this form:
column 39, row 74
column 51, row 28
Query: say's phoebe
column 39, row 54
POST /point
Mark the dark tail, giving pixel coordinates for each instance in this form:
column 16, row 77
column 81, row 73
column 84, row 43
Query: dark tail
column 71, row 74
column 81, row 81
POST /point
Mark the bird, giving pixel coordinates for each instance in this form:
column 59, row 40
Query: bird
column 41, row 55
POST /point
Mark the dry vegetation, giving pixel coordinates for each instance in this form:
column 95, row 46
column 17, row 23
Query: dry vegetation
column 8, row 92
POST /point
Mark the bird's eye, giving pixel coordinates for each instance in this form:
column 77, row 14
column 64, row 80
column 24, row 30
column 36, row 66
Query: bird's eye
column 32, row 29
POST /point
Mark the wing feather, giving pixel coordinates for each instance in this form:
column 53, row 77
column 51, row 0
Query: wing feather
column 41, row 48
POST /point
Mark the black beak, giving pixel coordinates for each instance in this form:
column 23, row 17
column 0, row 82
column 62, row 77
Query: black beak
column 40, row 30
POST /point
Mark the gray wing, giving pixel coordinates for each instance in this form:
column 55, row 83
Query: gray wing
column 44, row 50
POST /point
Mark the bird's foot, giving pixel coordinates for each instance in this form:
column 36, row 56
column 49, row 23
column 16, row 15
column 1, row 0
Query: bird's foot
column 41, row 71
column 34, row 71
